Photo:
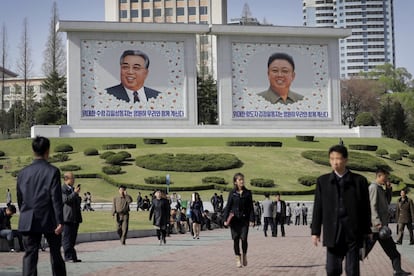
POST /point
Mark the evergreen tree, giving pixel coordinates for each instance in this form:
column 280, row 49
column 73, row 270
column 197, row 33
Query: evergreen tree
column 207, row 100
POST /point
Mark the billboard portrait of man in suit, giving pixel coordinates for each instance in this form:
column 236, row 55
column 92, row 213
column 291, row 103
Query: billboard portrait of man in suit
column 133, row 70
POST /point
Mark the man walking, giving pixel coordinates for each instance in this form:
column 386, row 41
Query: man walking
column 279, row 212
column 268, row 214
column 380, row 216
column 39, row 196
column 304, row 214
column 405, row 216
column 120, row 209
column 341, row 205
column 72, row 216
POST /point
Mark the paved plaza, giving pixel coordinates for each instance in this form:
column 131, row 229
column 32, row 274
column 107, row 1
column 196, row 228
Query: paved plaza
column 212, row 254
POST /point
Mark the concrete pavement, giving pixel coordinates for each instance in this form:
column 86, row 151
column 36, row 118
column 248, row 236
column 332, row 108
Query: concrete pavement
column 212, row 254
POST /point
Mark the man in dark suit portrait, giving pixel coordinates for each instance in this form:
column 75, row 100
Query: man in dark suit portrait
column 281, row 73
column 134, row 71
column 39, row 196
column 72, row 216
column 342, row 206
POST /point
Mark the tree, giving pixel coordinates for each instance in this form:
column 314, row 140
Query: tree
column 54, row 54
column 393, row 119
column 3, row 62
column 54, row 101
column 365, row 119
column 358, row 95
column 390, row 78
column 25, row 64
column 207, row 100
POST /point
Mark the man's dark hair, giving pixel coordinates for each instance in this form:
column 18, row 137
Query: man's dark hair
column 339, row 149
column 382, row 170
column 40, row 145
column 283, row 56
column 12, row 208
column 266, row 194
column 135, row 53
column 122, row 187
column 277, row 194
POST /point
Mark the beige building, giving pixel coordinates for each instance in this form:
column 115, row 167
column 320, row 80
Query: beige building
column 175, row 11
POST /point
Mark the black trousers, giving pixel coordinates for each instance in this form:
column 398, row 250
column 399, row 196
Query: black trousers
column 31, row 243
column 280, row 219
column 267, row 221
column 336, row 255
column 70, row 233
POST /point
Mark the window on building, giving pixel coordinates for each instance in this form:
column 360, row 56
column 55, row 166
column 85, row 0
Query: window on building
column 123, row 1
column 145, row 0
column 169, row 12
column 6, row 90
column 134, row 1
column 6, row 104
column 134, row 14
column 204, row 39
column 157, row 12
column 191, row 11
column 123, row 14
column 180, row 11
column 203, row 10
column 146, row 13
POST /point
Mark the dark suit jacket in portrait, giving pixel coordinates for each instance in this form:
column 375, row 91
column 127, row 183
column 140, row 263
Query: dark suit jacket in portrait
column 326, row 205
column 272, row 97
column 71, row 205
column 39, row 196
column 119, row 92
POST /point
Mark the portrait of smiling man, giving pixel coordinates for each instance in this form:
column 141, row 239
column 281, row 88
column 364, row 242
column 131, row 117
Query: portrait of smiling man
column 281, row 73
column 134, row 70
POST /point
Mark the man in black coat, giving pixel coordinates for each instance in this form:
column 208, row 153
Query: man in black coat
column 39, row 196
column 279, row 213
column 342, row 206
column 72, row 216
column 134, row 70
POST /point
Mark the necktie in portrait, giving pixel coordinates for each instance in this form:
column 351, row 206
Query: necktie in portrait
column 136, row 98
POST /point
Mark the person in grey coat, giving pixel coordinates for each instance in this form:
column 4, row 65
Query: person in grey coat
column 379, row 218
column 405, row 216
column 268, row 214
column 160, row 212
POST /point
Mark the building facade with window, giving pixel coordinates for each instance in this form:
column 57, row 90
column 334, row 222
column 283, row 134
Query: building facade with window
column 175, row 11
column 372, row 23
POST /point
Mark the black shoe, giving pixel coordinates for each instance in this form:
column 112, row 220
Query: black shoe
column 398, row 242
column 73, row 261
column 401, row 273
column 411, row 243
column 265, row 234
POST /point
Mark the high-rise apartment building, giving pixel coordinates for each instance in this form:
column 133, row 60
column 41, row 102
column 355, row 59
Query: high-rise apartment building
column 372, row 23
column 175, row 11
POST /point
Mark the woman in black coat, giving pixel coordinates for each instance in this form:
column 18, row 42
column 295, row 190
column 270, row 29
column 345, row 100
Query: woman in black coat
column 240, row 206
column 160, row 209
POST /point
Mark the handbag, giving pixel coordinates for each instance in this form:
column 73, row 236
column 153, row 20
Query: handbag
column 229, row 218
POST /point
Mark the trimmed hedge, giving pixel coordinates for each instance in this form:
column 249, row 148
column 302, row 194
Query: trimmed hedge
column 154, row 141
column 15, row 173
column 381, row 152
column 411, row 176
column 115, row 159
column 156, row 180
column 60, row 157
column 411, row 157
column 363, row 147
column 63, row 148
column 112, row 170
column 307, row 180
column 106, row 154
column 262, row 183
column 356, row 160
column 67, row 168
column 119, row 146
column 395, row 179
column 188, row 162
column 214, row 179
column 124, row 154
column 395, row 157
column 403, row 152
column 2, row 153
column 90, row 152
column 305, row 138
column 253, row 144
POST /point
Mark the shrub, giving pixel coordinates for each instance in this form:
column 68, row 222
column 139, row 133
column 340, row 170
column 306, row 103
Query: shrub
column 156, row 180
column 188, row 162
column 411, row 157
column 119, row 146
column 154, row 141
column 63, row 148
column 253, row 144
column 214, row 179
column 395, row 157
column 15, row 173
column 90, row 151
column 2, row 153
column 395, row 179
column 112, row 169
column 60, row 157
column 381, row 152
column 356, row 160
column 115, row 159
column 411, row 176
column 124, row 154
column 363, row 147
column 305, row 138
column 106, row 154
column 403, row 152
column 365, row 119
column 70, row 168
column 263, row 183
column 307, row 180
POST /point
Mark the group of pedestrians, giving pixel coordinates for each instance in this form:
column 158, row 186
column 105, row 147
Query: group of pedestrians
column 274, row 214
